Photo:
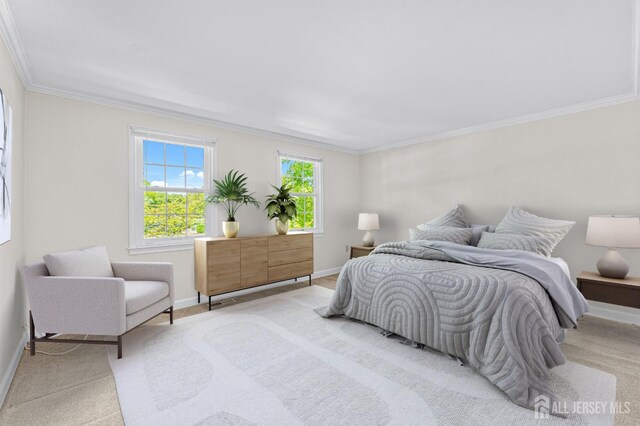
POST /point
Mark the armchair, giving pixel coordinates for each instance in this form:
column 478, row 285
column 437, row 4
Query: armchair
column 107, row 306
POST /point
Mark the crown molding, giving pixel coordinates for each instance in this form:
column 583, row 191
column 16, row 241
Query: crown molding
column 187, row 117
column 12, row 40
column 633, row 95
column 556, row 112
column 14, row 45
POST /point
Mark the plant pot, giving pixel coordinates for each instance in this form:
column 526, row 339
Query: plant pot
column 230, row 229
column 282, row 227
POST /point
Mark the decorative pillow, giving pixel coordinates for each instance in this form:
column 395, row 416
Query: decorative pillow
column 442, row 233
column 495, row 241
column 521, row 222
column 454, row 218
column 476, row 233
column 89, row 262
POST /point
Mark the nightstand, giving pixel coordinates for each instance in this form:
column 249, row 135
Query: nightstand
column 624, row 292
column 358, row 251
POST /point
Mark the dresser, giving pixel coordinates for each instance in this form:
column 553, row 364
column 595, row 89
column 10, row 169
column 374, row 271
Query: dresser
column 223, row 265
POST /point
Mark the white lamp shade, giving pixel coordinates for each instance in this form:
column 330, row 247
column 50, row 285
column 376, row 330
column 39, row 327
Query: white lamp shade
column 368, row 222
column 614, row 231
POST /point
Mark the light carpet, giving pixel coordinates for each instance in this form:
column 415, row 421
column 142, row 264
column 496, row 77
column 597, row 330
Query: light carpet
column 274, row 361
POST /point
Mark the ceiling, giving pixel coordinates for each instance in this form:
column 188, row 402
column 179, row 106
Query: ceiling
column 356, row 74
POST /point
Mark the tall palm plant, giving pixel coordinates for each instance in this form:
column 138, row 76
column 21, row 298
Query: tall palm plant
column 232, row 193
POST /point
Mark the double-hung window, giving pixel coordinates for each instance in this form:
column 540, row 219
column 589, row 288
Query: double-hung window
column 171, row 175
column 304, row 177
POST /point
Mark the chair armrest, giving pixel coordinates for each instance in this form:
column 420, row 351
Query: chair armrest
column 78, row 305
column 145, row 271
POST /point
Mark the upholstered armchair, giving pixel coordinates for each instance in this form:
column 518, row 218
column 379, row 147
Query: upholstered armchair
column 99, row 305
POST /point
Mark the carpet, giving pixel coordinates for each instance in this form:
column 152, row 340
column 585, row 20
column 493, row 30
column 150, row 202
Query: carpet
column 274, row 361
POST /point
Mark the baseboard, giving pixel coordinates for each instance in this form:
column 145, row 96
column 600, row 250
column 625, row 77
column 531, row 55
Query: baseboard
column 192, row 301
column 614, row 312
column 11, row 370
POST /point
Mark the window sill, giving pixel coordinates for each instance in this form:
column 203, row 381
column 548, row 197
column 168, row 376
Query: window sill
column 161, row 248
column 316, row 233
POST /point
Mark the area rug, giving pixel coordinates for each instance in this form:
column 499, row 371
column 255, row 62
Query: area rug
column 274, row 361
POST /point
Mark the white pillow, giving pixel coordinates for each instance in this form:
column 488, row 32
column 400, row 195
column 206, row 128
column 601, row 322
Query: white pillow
column 476, row 232
column 521, row 222
column 494, row 241
column 442, row 233
column 89, row 262
column 454, row 217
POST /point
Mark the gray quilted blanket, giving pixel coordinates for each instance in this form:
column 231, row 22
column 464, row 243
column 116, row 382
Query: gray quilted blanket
column 501, row 311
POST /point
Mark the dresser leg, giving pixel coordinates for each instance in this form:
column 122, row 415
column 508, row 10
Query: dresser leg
column 209, row 302
column 32, row 336
column 198, row 297
column 309, row 280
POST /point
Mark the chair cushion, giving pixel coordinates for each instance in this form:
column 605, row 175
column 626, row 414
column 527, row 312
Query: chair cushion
column 140, row 294
column 89, row 262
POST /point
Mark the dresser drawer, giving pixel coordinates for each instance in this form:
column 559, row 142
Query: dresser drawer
column 291, row 270
column 607, row 293
column 290, row 242
column 283, row 257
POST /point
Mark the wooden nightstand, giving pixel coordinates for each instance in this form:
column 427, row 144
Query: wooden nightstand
column 358, row 251
column 624, row 292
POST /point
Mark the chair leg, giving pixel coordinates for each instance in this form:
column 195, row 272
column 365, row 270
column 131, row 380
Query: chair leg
column 171, row 315
column 119, row 346
column 32, row 336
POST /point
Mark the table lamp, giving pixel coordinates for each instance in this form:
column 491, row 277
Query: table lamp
column 613, row 232
column 368, row 222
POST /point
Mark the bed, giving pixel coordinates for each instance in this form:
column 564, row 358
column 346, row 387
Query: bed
column 502, row 312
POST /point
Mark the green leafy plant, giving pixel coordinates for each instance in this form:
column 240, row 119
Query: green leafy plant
column 232, row 193
column 281, row 205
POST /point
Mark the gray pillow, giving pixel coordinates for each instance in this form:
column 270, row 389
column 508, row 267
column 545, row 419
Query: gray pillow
column 521, row 222
column 476, row 233
column 490, row 240
column 454, row 217
column 442, row 233
column 89, row 262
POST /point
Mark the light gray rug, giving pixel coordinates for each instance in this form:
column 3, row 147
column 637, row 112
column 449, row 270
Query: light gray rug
column 274, row 361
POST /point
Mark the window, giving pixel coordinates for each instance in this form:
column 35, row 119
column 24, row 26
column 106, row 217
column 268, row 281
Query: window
column 171, row 176
column 304, row 176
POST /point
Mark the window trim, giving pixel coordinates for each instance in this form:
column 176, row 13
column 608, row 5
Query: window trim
column 318, row 165
column 137, row 242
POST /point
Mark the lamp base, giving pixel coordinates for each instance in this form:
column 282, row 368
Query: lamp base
column 613, row 265
column 368, row 240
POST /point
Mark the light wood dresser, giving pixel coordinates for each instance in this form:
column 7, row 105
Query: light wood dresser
column 223, row 265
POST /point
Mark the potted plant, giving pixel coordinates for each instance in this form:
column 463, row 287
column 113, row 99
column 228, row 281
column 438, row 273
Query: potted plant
column 232, row 193
column 281, row 207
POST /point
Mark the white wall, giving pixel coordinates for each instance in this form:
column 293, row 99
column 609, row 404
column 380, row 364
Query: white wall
column 567, row 167
column 78, row 182
column 12, row 298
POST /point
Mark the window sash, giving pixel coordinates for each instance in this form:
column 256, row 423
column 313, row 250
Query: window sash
column 137, row 242
column 317, row 187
